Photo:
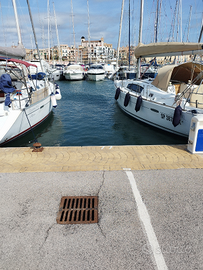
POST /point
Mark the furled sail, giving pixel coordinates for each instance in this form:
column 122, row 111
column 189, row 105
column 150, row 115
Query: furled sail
column 168, row 49
column 16, row 52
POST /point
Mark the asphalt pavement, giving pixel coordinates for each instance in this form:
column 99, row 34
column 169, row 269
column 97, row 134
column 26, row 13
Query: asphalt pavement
column 149, row 217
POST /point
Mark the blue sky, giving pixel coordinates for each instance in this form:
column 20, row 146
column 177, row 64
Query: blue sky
column 104, row 18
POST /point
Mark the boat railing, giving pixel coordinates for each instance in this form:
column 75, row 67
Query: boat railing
column 18, row 101
column 196, row 100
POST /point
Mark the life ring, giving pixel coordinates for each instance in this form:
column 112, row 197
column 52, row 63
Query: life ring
column 138, row 104
column 177, row 116
column 127, row 99
column 118, row 90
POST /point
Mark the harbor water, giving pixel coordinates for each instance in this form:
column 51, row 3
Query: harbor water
column 87, row 115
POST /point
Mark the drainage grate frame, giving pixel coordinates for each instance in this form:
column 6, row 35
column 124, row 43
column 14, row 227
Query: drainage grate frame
column 78, row 210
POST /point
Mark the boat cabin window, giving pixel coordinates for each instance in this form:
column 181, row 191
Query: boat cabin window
column 135, row 87
column 96, row 67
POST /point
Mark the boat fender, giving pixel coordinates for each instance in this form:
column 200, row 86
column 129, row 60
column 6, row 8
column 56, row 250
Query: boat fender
column 127, row 99
column 53, row 100
column 138, row 104
column 118, row 90
column 58, row 94
column 56, row 86
column 177, row 116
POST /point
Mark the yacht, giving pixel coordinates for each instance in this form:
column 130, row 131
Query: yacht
column 96, row 72
column 74, row 72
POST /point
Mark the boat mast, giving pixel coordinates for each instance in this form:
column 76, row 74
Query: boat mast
column 17, row 22
column 201, row 31
column 140, row 36
column 60, row 58
column 156, row 22
column 189, row 24
column 119, row 37
column 89, row 48
column 180, row 11
column 129, row 36
column 73, row 27
column 48, row 13
column 200, row 36
column 33, row 29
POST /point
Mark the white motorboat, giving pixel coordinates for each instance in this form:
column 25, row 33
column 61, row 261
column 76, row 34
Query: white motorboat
column 96, row 72
column 24, row 102
column 51, row 72
column 55, row 74
column 169, row 101
column 73, row 72
column 60, row 67
column 109, row 70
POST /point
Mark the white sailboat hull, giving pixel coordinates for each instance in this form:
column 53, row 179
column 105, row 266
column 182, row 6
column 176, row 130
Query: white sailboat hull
column 169, row 101
column 156, row 115
column 18, row 122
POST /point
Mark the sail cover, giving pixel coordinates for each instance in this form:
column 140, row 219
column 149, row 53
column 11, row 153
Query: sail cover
column 178, row 73
column 168, row 49
column 17, row 52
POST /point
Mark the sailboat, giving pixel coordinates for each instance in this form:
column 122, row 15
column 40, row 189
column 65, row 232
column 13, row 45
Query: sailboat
column 73, row 71
column 53, row 73
column 170, row 101
column 26, row 100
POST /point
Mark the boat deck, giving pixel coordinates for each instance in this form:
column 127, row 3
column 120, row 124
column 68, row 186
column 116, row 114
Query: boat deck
column 96, row 158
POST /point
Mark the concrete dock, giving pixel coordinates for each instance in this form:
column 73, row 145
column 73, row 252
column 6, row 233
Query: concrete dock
column 150, row 208
column 96, row 158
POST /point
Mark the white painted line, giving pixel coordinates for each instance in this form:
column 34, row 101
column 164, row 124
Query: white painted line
column 110, row 147
column 146, row 222
column 102, row 147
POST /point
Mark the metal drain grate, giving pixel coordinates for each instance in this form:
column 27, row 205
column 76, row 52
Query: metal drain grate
column 78, row 210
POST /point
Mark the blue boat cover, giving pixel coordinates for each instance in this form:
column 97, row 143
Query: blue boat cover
column 6, row 87
column 37, row 76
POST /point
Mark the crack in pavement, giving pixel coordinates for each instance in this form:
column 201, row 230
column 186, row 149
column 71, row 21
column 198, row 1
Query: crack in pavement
column 47, row 235
column 103, row 179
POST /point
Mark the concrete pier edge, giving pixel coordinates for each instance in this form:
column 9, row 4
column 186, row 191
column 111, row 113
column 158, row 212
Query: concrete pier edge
column 96, row 158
